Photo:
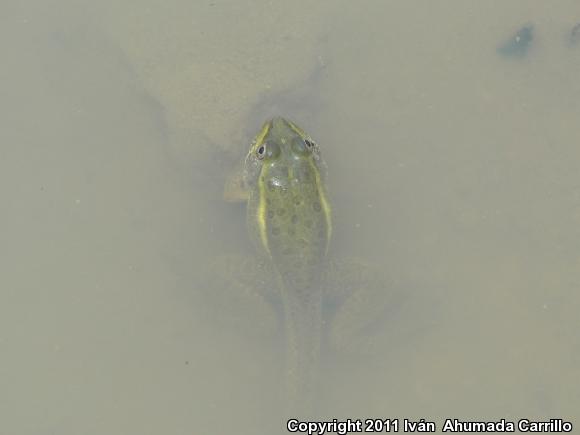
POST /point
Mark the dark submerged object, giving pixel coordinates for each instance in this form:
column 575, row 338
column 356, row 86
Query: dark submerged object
column 517, row 46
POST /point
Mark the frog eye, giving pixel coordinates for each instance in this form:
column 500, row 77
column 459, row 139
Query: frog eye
column 302, row 146
column 267, row 150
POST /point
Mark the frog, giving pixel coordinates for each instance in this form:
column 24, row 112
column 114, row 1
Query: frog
column 283, row 182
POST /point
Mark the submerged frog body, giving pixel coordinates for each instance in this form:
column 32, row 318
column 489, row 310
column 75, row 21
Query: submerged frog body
column 289, row 220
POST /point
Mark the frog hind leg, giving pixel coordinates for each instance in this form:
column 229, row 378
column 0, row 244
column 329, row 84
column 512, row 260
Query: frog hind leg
column 359, row 301
column 237, row 294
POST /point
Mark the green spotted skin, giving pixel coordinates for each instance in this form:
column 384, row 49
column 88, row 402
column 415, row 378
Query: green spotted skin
column 289, row 221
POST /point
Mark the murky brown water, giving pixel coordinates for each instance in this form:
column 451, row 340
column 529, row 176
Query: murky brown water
column 452, row 168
